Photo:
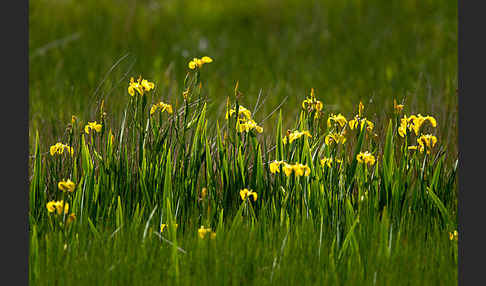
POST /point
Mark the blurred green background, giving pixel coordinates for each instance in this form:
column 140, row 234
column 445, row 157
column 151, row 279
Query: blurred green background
column 347, row 50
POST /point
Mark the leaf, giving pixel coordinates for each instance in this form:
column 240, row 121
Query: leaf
column 354, row 162
column 388, row 155
column 348, row 238
column 93, row 229
column 439, row 205
column 278, row 139
column 119, row 214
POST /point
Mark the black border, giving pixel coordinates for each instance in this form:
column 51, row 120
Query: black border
column 471, row 79
column 15, row 144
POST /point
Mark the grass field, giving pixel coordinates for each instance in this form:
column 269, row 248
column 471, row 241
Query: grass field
column 248, row 145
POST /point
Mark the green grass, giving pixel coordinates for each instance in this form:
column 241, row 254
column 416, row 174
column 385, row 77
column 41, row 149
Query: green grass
column 348, row 224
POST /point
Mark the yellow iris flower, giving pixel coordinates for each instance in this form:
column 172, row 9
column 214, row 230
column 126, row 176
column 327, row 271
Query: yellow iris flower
column 296, row 135
column 402, row 129
column 354, row 124
column 147, row 85
column 59, row 148
column 66, row 186
column 92, row 126
column 140, row 86
column 162, row 107
column 428, row 141
column 248, row 125
column 135, row 86
column 202, row 231
column 414, row 123
column 334, row 138
column 359, row 120
column 328, row 161
column 242, row 111
column 59, row 207
column 245, row 123
column 198, row 63
column 245, row 193
column 453, row 235
column 204, row 192
column 298, row 169
column 366, row 157
column 360, row 109
column 53, row 206
column 275, row 166
column 301, row 170
column 163, row 226
column 287, row 168
column 340, row 119
column 312, row 104
column 71, row 218
column 397, row 107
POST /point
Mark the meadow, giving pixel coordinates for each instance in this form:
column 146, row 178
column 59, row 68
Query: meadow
column 256, row 142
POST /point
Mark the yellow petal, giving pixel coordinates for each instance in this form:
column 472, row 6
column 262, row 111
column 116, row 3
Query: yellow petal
column 51, row 206
column 287, row 169
column 206, row 59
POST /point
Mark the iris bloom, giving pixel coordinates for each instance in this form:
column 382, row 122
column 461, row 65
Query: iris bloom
column 334, row 138
column 312, row 104
column 328, row 161
column 359, row 120
column 242, row 111
column 301, row 170
column 397, row 107
column 141, row 85
column 418, row 120
column 59, row 148
column 202, row 231
column 248, row 125
column 453, row 235
column 298, row 169
column 185, row 94
column 147, row 85
column 296, row 135
column 53, row 206
column 245, row 123
column 60, row 205
column 414, row 123
column 287, row 168
column 402, row 129
column 354, row 124
column 71, row 218
column 198, row 63
column 66, row 186
column 245, row 193
column 92, row 126
column 162, row 106
column 428, row 141
column 163, row 226
column 366, row 157
column 360, row 109
column 275, row 166
column 340, row 119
